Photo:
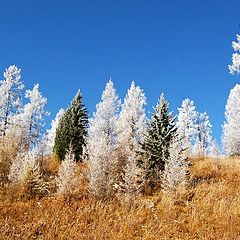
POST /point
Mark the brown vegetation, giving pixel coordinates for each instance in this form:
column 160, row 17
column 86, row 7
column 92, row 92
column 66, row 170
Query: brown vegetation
column 208, row 209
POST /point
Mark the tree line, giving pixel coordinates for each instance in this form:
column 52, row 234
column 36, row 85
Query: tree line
column 124, row 150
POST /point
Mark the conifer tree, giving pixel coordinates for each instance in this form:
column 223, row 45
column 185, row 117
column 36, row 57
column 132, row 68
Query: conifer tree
column 10, row 96
column 101, row 144
column 32, row 116
column 25, row 173
column 231, row 129
column 62, row 137
column 235, row 67
column 72, row 129
column 176, row 168
column 131, row 127
column 214, row 150
column 160, row 133
column 186, row 124
column 67, row 179
column 203, row 137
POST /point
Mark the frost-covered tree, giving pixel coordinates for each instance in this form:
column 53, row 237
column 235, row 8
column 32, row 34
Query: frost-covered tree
column 25, row 173
column 131, row 127
column 67, row 175
column 186, row 124
column 101, row 143
column 133, row 178
column 159, row 135
column 203, row 136
column 214, row 150
column 176, row 168
column 10, row 96
column 72, row 129
column 33, row 116
column 231, row 129
column 51, row 133
column 235, row 67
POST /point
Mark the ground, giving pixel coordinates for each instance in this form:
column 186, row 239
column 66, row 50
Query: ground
column 208, row 209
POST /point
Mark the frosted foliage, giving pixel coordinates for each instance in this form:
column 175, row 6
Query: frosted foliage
column 133, row 178
column 176, row 169
column 101, row 163
column 10, row 95
column 203, row 138
column 41, row 148
column 22, row 164
column 101, row 142
column 25, row 173
column 51, row 133
column 67, row 179
column 132, row 119
column 131, row 127
column 214, row 150
column 235, row 67
column 186, row 123
column 104, row 119
column 32, row 116
column 231, row 129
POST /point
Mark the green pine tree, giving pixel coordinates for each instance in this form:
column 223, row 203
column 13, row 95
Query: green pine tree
column 155, row 148
column 72, row 129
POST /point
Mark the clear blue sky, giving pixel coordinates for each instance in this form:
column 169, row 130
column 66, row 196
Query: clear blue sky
column 181, row 48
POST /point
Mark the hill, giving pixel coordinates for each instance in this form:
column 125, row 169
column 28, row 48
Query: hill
column 208, row 209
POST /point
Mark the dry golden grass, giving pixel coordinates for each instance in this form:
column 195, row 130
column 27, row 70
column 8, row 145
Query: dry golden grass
column 50, row 165
column 208, row 209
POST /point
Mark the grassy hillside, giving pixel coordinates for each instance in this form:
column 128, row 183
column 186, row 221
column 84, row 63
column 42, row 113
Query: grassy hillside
column 208, row 209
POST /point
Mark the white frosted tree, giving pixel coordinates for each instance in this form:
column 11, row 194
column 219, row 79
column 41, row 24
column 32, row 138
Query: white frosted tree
column 17, row 170
column 231, row 129
column 214, row 150
column 131, row 127
column 203, row 137
column 25, row 173
column 194, row 129
column 67, row 175
column 101, row 143
column 176, row 169
column 32, row 116
column 186, row 124
column 10, row 96
column 51, row 133
column 235, row 66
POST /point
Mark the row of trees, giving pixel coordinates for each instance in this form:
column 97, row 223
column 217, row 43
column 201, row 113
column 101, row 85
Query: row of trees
column 194, row 128
column 123, row 149
column 27, row 120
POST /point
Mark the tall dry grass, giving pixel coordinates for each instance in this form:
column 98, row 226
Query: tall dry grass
column 208, row 209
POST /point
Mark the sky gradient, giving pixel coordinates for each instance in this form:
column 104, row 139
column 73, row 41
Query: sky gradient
column 181, row 48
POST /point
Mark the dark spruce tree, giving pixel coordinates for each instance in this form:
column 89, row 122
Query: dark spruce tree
column 72, row 129
column 155, row 148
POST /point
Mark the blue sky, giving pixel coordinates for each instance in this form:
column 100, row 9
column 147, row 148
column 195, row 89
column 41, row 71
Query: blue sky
column 181, row 48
